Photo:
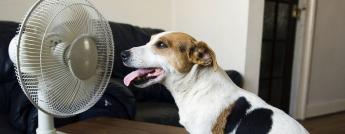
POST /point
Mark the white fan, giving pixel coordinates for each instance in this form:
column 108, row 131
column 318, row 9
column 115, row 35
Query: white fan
column 63, row 55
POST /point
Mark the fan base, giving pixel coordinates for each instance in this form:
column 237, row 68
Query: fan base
column 45, row 123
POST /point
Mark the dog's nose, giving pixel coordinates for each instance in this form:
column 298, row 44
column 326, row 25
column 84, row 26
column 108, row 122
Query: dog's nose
column 125, row 55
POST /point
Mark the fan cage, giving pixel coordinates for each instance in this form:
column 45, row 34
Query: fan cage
column 42, row 73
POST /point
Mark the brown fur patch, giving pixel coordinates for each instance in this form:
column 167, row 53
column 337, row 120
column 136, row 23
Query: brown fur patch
column 219, row 126
column 203, row 55
column 184, row 51
column 176, row 53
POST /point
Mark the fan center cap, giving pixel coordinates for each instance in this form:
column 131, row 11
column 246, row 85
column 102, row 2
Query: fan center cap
column 82, row 57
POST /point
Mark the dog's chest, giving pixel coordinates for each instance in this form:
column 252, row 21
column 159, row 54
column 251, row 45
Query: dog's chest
column 198, row 115
column 197, row 119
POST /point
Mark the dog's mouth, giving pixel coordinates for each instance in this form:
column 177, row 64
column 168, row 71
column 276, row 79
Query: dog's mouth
column 143, row 77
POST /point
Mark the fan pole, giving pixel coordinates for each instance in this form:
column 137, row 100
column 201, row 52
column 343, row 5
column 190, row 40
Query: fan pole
column 45, row 124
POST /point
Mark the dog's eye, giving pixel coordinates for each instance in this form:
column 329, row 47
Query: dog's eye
column 161, row 45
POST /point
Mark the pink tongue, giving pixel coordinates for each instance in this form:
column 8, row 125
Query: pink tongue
column 131, row 76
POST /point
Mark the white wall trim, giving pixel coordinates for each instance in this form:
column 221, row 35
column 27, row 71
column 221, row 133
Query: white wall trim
column 325, row 108
column 254, row 45
column 302, row 62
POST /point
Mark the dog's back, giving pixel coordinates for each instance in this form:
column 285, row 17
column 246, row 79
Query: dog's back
column 251, row 115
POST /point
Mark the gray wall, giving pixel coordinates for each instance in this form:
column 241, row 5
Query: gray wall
column 326, row 93
column 14, row 10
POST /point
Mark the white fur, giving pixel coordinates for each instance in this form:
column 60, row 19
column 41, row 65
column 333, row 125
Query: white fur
column 203, row 93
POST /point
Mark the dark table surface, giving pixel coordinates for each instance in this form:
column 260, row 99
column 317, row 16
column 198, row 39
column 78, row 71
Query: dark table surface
column 106, row 125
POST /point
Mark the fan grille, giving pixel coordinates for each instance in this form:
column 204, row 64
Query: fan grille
column 45, row 36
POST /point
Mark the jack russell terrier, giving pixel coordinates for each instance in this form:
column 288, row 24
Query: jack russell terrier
column 208, row 101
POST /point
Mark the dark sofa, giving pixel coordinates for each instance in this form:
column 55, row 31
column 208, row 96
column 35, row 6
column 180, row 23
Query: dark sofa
column 153, row 104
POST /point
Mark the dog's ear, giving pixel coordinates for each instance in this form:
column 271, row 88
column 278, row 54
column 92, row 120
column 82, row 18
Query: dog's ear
column 201, row 54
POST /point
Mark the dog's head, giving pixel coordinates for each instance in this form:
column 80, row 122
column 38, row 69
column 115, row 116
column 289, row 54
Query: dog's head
column 165, row 55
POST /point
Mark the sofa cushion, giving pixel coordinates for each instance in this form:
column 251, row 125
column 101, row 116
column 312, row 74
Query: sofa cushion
column 158, row 112
column 5, row 127
column 7, row 32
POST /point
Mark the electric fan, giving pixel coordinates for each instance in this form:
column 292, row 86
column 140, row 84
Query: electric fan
column 63, row 54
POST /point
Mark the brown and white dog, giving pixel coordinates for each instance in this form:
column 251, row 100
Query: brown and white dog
column 208, row 101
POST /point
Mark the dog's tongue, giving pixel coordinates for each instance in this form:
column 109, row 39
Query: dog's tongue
column 131, row 76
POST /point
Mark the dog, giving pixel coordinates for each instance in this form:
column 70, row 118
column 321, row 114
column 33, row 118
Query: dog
column 208, row 101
